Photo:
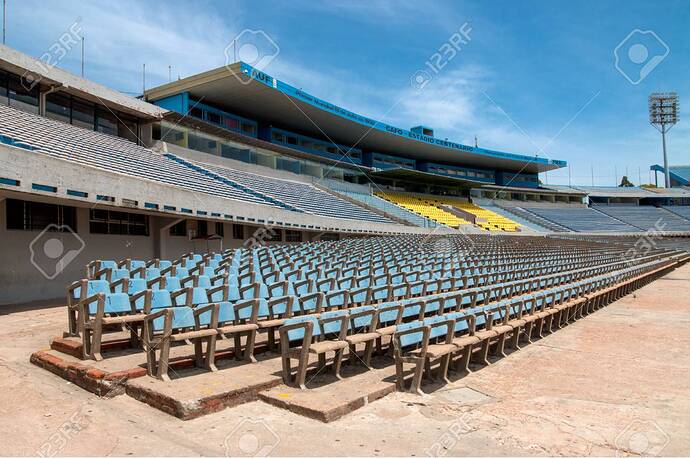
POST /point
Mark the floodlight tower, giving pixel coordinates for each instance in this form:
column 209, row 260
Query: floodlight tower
column 663, row 114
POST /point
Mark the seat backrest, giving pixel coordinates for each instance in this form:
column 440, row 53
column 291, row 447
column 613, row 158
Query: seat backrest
column 366, row 316
column 108, row 264
column 160, row 299
column 152, row 272
column 330, row 328
column 298, row 334
column 172, row 283
column 413, row 338
column 436, row 331
column 97, row 286
column 181, row 272
column 388, row 313
column 136, row 264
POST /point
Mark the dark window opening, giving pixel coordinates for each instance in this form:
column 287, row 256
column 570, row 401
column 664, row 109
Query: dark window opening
column 237, row 232
column 179, row 229
column 36, row 216
column 118, row 223
column 293, row 236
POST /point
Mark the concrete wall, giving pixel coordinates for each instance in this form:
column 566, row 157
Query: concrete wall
column 28, row 274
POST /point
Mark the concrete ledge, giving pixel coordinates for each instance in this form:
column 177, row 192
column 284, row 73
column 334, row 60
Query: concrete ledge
column 327, row 399
column 195, row 392
column 91, row 379
column 73, row 347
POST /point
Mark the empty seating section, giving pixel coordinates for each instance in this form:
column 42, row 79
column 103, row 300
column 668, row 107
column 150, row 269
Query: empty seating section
column 427, row 301
column 425, row 206
column 297, row 195
column 114, row 154
column 109, row 153
column 581, row 219
column 534, row 218
column 430, row 206
column 486, row 219
column 400, row 212
column 491, row 205
column 682, row 211
column 646, row 217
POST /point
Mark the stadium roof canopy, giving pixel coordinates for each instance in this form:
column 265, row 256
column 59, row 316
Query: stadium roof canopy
column 34, row 71
column 249, row 92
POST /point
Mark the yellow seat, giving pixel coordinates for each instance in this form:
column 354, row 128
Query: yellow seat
column 429, row 207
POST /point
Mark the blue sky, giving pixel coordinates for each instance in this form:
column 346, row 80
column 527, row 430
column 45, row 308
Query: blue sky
column 536, row 77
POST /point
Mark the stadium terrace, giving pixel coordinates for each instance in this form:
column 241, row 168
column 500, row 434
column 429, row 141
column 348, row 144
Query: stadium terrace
column 229, row 226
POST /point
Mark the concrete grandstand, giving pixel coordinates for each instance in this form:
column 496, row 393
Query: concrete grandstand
column 207, row 241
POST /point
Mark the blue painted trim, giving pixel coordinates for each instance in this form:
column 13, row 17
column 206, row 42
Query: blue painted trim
column 9, row 181
column 43, row 187
column 73, row 193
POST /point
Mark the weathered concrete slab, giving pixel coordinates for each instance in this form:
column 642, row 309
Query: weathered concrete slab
column 327, row 398
column 611, row 384
column 193, row 392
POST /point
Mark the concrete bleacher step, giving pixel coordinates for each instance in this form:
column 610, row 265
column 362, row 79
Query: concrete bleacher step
column 629, row 223
column 357, row 203
column 527, row 225
column 327, row 398
column 195, row 392
column 548, row 223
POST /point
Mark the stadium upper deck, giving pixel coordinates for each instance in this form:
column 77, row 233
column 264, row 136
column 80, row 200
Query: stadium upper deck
column 241, row 98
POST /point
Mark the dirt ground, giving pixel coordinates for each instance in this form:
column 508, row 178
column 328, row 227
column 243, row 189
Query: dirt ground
column 614, row 383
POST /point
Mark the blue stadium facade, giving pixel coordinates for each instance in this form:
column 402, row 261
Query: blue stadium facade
column 246, row 101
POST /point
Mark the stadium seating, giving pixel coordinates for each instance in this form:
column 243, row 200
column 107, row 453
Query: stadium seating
column 486, row 219
column 646, row 217
column 426, row 207
column 533, row 218
column 334, row 296
column 400, row 212
column 297, row 196
column 109, row 153
column 432, row 207
column 114, row 154
column 492, row 205
column 581, row 219
column 680, row 210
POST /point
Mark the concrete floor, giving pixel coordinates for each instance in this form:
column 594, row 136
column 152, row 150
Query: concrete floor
column 614, row 383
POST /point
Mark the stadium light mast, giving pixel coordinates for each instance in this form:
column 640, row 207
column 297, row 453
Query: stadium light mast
column 663, row 114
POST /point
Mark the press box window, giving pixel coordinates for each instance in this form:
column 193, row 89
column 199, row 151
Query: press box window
column 36, row 216
column 118, row 223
